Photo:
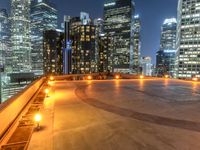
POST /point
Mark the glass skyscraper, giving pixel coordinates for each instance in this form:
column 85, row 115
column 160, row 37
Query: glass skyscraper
column 166, row 54
column 20, row 35
column 188, row 39
column 5, row 49
column 43, row 17
column 137, row 44
column 4, row 37
column 4, row 40
column 119, row 23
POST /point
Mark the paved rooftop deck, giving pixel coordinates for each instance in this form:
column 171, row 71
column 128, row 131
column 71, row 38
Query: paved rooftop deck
column 120, row 115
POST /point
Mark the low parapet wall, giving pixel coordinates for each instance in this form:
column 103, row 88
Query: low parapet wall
column 10, row 109
column 130, row 76
column 80, row 76
column 100, row 76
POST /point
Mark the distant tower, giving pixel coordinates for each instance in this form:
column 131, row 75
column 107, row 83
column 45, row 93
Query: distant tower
column 188, row 40
column 137, row 44
column 20, row 35
column 85, row 18
column 67, row 50
column 119, row 23
column 98, row 22
column 43, row 17
column 146, row 65
column 166, row 54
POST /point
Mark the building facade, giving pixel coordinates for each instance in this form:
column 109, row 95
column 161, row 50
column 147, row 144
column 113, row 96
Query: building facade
column 20, row 35
column 43, row 17
column 188, row 39
column 104, row 43
column 53, row 52
column 119, row 23
column 160, row 69
column 166, row 55
column 82, row 35
column 83, row 50
column 165, row 63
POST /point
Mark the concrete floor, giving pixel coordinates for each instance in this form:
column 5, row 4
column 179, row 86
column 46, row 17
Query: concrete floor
column 120, row 115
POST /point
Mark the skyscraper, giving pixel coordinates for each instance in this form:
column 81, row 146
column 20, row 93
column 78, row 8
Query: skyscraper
column 82, row 34
column 67, row 51
column 20, row 35
column 104, row 43
column 137, row 44
column 53, row 52
column 119, row 23
column 4, row 32
column 43, row 17
column 99, row 44
column 166, row 54
column 188, row 39
column 5, row 44
column 168, row 34
column 4, row 37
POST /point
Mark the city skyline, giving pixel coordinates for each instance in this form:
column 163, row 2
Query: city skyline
column 104, row 74
column 151, row 20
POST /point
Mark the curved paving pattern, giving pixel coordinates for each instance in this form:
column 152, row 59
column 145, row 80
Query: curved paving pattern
column 159, row 120
column 165, row 99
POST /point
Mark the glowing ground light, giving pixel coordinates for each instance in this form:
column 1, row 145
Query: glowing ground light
column 51, row 78
column 141, row 77
column 166, row 76
column 117, row 77
column 46, row 91
column 195, row 79
column 49, row 82
column 38, row 118
column 89, row 77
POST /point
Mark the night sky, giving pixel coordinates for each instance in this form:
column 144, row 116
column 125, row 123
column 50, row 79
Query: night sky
column 152, row 13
